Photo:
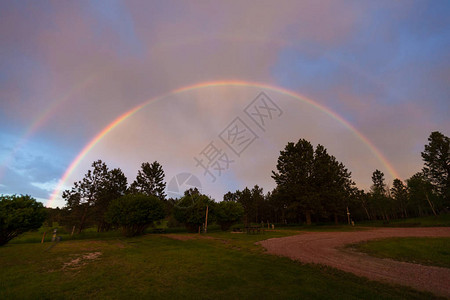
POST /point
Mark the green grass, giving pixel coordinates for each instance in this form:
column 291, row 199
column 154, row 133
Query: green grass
column 88, row 233
column 36, row 236
column 426, row 251
column 442, row 220
column 91, row 233
column 217, row 266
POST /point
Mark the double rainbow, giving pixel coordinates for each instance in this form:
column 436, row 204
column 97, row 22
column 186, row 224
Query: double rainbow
column 43, row 117
column 132, row 111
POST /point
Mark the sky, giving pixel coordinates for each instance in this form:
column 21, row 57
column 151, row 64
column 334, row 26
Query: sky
column 214, row 90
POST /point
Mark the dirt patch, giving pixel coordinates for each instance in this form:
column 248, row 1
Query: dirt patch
column 328, row 248
column 187, row 237
column 80, row 261
column 181, row 237
column 120, row 245
column 92, row 245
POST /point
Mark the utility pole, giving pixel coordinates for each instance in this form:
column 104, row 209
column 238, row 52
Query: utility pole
column 206, row 220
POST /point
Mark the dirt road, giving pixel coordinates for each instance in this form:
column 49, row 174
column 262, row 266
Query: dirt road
column 328, row 248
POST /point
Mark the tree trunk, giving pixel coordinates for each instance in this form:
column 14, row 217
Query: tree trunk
column 431, row 204
column 83, row 220
column 367, row 212
column 336, row 219
column 308, row 217
column 385, row 216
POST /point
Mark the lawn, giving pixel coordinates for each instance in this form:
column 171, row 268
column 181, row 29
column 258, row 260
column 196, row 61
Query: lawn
column 426, row 251
column 429, row 221
column 214, row 266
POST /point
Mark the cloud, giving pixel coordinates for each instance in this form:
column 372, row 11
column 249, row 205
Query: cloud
column 30, row 169
column 383, row 67
column 16, row 183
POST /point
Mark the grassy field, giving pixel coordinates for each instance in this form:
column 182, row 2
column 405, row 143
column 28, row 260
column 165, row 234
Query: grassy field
column 215, row 266
column 91, row 233
column 426, row 251
column 430, row 221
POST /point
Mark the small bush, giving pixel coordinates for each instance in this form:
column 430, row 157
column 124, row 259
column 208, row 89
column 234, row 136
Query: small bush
column 135, row 213
column 173, row 223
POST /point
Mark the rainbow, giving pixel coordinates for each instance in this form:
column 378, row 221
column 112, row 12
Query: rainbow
column 132, row 111
column 44, row 117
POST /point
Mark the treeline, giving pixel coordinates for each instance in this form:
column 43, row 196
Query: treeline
column 103, row 199
column 425, row 193
column 312, row 186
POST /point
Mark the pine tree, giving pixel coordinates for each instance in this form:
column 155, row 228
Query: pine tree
column 89, row 198
column 400, row 194
column 150, row 181
column 379, row 197
column 313, row 181
column 83, row 196
column 294, row 177
column 437, row 165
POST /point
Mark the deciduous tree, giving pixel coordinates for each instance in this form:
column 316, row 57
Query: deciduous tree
column 422, row 195
column 19, row 214
column 89, row 198
column 135, row 212
column 228, row 213
column 190, row 210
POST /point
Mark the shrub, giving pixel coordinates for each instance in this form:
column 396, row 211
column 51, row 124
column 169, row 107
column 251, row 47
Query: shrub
column 134, row 213
column 173, row 223
column 228, row 213
column 191, row 209
column 19, row 214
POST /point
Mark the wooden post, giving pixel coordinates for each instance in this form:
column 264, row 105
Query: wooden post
column 54, row 234
column 348, row 216
column 206, row 220
column 43, row 237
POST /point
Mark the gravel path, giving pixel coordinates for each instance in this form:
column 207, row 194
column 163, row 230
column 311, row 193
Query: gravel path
column 328, row 248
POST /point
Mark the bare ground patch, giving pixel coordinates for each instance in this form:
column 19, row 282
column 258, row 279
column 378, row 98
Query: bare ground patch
column 181, row 237
column 328, row 248
column 81, row 261
column 194, row 236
